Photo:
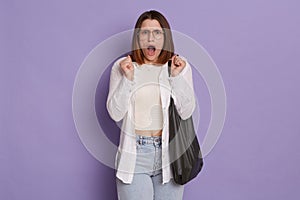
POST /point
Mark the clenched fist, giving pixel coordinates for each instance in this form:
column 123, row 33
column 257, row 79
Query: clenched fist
column 177, row 65
column 127, row 67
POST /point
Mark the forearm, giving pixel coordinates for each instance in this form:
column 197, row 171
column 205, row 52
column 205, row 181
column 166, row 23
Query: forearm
column 183, row 92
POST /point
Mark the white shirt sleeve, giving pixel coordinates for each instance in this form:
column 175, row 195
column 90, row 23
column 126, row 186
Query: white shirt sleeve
column 183, row 91
column 120, row 91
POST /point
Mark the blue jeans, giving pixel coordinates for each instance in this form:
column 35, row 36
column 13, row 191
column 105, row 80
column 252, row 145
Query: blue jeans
column 147, row 179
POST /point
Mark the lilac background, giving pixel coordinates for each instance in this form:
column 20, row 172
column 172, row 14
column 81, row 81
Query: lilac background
column 254, row 43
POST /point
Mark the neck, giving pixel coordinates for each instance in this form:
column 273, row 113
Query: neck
column 151, row 62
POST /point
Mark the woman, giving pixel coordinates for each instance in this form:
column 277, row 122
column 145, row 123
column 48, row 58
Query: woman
column 139, row 94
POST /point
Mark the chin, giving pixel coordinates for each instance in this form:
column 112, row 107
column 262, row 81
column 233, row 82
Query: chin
column 152, row 58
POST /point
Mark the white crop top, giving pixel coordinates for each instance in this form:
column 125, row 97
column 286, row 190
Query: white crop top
column 148, row 108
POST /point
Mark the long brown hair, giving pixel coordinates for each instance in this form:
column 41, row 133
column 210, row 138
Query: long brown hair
column 168, row 49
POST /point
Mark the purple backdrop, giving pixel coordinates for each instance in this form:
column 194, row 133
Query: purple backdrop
column 254, row 43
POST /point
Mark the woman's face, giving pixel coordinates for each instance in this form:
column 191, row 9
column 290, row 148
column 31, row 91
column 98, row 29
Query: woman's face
column 151, row 40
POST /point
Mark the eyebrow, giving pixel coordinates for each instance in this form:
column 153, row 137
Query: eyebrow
column 156, row 28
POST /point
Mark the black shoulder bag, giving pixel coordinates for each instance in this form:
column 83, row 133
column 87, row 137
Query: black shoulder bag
column 184, row 149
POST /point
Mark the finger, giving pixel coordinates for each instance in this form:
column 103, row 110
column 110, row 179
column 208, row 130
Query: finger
column 177, row 61
column 173, row 57
column 129, row 58
column 129, row 63
column 173, row 61
column 126, row 61
column 130, row 66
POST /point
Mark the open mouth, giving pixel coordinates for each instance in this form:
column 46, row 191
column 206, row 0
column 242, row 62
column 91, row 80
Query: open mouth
column 150, row 50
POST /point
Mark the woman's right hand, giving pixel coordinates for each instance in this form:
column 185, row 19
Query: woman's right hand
column 127, row 67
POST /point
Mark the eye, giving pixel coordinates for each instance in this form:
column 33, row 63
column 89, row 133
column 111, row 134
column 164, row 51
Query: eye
column 157, row 32
column 144, row 32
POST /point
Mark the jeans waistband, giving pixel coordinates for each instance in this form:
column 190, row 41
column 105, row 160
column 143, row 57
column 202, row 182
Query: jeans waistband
column 156, row 140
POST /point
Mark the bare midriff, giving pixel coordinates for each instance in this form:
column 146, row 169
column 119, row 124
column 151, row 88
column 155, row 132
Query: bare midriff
column 149, row 132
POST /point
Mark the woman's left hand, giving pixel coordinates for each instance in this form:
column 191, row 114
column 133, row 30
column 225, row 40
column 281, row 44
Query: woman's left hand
column 177, row 65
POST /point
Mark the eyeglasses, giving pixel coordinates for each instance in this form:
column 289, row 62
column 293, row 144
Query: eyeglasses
column 144, row 34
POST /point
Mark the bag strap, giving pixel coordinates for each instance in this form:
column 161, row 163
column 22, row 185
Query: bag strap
column 169, row 66
column 169, row 70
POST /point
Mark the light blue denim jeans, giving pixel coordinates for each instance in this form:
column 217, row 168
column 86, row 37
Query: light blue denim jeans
column 147, row 179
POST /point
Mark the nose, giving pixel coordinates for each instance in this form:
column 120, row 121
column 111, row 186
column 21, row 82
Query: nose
column 150, row 36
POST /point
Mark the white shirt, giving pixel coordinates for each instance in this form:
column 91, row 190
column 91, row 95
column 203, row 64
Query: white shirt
column 121, row 103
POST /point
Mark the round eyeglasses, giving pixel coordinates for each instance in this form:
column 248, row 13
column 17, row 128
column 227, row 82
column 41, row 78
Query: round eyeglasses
column 145, row 34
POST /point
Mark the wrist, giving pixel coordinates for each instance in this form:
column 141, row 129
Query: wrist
column 129, row 77
column 174, row 74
